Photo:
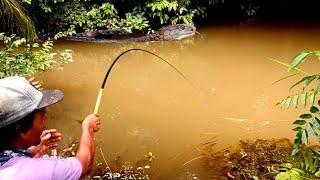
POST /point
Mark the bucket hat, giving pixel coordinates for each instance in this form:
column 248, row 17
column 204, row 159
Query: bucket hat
column 18, row 98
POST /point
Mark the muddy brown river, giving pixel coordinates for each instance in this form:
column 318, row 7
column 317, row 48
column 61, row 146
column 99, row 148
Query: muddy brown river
column 148, row 107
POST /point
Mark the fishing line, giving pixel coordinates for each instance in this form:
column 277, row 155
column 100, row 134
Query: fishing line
column 96, row 108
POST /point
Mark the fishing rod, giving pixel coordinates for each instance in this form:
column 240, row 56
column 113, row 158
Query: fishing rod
column 96, row 108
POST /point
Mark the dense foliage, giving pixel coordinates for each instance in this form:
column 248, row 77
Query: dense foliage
column 305, row 157
column 18, row 57
column 13, row 19
column 68, row 17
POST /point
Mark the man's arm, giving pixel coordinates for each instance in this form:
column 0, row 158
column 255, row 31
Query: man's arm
column 85, row 152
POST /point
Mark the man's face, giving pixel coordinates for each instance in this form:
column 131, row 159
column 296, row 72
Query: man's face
column 32, row 137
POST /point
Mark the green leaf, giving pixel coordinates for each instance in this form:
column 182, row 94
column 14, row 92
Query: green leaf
column 300, row 171
column 287, row 165
column 313, row 97
column 298, row 137
column 317, row 174
column 286, row 77
column 300, row 122
column 304, row 99
column 317, row 121
column 316, row 53
column 295, row 150
column 305, row 137
column 297, row 128
column 315, row 165
column 296, row 100
column 27, row 1
column 298, row 60
column 282, row 176
column 288, row 101
column 283, row 102
column 287, row 65
column 299, row 82
column 314, row 109
column 309, row 79
column 294, row 175
column 305, row 116
column 318, row 85
column 306, row 161
column 313, row 131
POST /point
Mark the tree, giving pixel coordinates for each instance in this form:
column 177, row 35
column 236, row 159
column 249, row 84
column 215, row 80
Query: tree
column 14, row 19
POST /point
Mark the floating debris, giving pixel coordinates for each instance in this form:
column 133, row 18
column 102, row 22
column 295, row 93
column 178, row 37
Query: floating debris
column 235, row 119
column 252, row 160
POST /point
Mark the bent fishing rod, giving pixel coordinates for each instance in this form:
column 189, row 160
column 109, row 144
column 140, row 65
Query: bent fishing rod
column 96, row 108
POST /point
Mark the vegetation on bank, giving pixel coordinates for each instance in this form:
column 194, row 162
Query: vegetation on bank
column 53, row 19
column 307, row 124
column 117, row 169
column 252, row 160
column 280, row 159
column 22, row 55
column 19, row 57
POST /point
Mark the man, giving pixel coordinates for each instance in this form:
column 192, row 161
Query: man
column 23, row 139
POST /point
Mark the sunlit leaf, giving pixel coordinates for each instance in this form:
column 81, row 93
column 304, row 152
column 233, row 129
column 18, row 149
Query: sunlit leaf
column 317, row 174
column 280, row 102
column 296, row 100
column 304, row 137
column 313, row 97
column 318, row 85
column 282, row 176
column 313, row 131
column 317, row 120
column 309, row 79
column 295, row 150
column 288, row 65
column 298, row 60
column 287, row 165
column 288, row 101
column 304, row 99
column 298, row 170
column 283, row 102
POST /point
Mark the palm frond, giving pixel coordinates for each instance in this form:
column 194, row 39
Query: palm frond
column 14, row 19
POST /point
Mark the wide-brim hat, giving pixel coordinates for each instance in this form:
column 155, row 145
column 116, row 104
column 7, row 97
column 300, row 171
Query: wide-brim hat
column 18, row 98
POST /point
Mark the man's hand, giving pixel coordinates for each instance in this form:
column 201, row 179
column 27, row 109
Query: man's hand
column 91, row 123
column 49, row 140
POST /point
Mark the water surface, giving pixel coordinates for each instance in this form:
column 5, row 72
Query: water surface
column 147, row 106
